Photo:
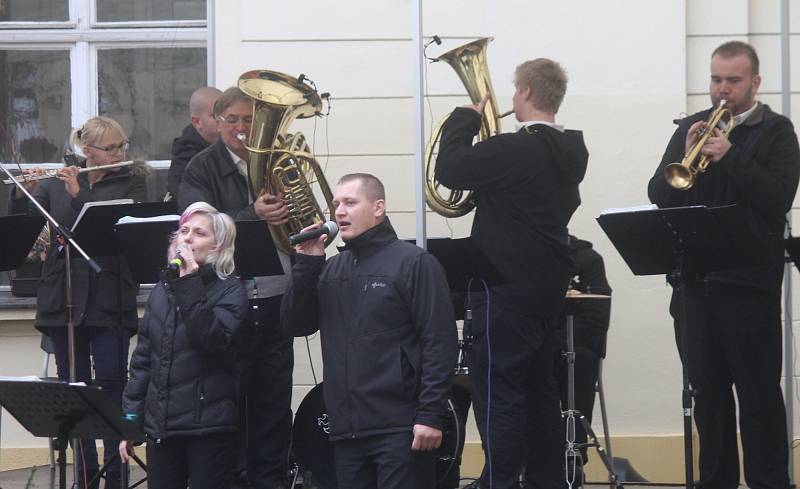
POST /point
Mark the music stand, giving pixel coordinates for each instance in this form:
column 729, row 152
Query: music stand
column 683, row 242
column 96, row 227
column 255, row 253
column 66, row 411
column 19, row 233
column 144, row 245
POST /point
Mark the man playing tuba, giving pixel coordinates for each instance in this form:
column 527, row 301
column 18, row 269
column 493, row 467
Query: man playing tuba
column 526, row 188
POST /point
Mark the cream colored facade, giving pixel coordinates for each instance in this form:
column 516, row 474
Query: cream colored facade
column 634, row 66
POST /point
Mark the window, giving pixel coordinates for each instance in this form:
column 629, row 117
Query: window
column 64, row 61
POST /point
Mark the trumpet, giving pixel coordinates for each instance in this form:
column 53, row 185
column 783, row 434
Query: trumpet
column 52, row 173
column 682, row 176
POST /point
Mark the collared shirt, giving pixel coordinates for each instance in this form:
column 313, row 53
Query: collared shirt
column 739, row 119
column 557, row 127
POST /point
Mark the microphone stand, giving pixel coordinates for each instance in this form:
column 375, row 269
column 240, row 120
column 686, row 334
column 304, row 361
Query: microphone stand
column 70, row 243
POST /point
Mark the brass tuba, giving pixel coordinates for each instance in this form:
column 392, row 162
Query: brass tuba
column 682, row 175
column 281, row 162
column 469, row 61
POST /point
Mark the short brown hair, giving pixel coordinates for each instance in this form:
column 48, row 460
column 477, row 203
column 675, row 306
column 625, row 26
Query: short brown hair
column 547, row 81
column 229, row 97
column 738, row 48
column 373, row 188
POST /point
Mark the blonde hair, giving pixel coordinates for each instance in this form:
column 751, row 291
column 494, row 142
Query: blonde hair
column 224, row 237
column 94, row 129
column 547, row 81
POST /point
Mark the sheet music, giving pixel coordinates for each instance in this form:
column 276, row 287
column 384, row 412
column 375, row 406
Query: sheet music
column 89, row 205
column 635, row 208
column 164, row 218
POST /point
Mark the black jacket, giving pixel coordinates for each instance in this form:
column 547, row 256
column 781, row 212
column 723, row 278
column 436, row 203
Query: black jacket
column 526, row 190
column 183, row 379
column 590, row 316
column 388, row 333
column 96, row 297
column 212, row 177
column 183, row 150
column 759, row 173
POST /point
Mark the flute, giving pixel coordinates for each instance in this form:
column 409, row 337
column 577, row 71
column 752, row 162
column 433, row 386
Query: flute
column 52, row 172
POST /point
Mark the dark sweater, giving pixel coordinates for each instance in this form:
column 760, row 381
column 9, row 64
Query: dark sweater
column 184, row 148
column 526, row 190
column 759, row 173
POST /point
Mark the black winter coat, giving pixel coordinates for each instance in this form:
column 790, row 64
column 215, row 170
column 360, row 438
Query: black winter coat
column 96, row 297
column 388, row 333
column 213, row 177
column 526, row 189
column 759, row 173
column 183, row 379
column 184, row 148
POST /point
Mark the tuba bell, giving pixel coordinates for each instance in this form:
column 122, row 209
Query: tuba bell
column 682, row 176
column 281, row 162
column 469, row 62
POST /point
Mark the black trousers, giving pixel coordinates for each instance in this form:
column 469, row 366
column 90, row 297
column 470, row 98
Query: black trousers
column 205, row 462
column 268, row 390
column 734, row 340
column 516, row 407
column 383, row 462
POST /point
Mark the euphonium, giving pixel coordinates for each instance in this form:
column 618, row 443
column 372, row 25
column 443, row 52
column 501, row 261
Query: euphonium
column 469, row 61
column 683, row 175
column 280, row 162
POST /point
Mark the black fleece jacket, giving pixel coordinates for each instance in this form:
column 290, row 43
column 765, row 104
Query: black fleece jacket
column 388, row 332
column 184, row 148
column 526, row 189
column 759, row 173
column 183, row 379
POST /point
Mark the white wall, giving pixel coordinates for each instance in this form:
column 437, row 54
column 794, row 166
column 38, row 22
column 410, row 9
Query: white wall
column 627, row 67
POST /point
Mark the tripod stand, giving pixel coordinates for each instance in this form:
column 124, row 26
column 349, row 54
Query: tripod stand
column 572, row 452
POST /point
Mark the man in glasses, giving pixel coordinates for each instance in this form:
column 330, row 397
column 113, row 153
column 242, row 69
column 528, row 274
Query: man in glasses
column 218, row 175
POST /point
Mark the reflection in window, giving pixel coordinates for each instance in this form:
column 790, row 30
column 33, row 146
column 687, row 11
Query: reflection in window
column 147, row 10
column 34, row 105
column 147, row 91
column 34, row 10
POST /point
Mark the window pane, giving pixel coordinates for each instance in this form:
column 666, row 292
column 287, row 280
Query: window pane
column 34, row 10
column 35, row 102
column 144, row 10
column 147, row 91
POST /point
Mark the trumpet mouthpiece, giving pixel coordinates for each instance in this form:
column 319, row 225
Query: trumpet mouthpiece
column 241, row 137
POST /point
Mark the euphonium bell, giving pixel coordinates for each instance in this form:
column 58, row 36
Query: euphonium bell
column 280, row 162
column 682, row 176
column 469, row 62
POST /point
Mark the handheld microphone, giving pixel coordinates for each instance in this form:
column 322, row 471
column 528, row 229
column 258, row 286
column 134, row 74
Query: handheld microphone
column 330, row 228
column 176, row 263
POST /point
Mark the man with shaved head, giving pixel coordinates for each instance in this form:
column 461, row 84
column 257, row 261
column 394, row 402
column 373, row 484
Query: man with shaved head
column 201, row 131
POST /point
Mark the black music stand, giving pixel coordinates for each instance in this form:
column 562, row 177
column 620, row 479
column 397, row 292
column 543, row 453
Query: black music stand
column 19, row 233
column 66, row 411
column 144, row 244
column 255, row 253
column 96, row 227
column 684, row 242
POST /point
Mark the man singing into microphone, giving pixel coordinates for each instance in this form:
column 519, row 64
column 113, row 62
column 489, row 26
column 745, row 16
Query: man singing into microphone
column 389, row 339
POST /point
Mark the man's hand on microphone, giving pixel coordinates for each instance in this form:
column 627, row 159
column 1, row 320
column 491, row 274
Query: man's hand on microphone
column 313, row 247
column 426, row 438
column 272, row 209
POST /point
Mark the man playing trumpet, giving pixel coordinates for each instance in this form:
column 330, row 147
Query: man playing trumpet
column 734, row 335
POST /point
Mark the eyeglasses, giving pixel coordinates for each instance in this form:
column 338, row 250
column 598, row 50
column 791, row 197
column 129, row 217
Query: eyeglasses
column 113, row 148
column 234, row 119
